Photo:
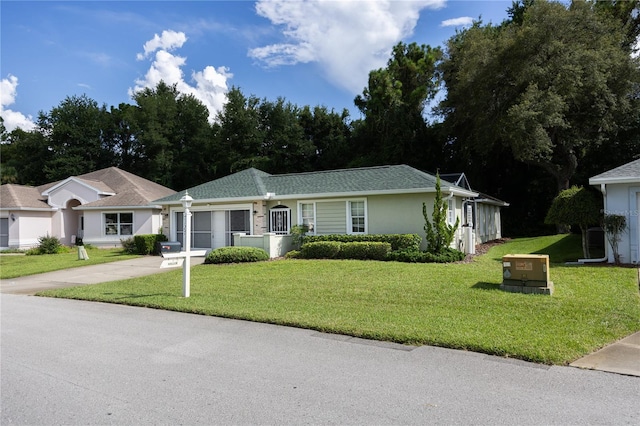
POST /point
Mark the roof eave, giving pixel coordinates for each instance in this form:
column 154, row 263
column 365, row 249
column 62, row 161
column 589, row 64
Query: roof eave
column 605, row 180
column 145, row 207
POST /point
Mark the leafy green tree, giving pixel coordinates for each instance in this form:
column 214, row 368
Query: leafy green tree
column 330, row 134
column 439, row 234
column 393, row 104
column 24, row 157
column 550, row 85
column 576, row 206
column 73, row 131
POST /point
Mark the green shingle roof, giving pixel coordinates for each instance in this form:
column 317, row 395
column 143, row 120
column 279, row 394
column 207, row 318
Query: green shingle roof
column 253, row 183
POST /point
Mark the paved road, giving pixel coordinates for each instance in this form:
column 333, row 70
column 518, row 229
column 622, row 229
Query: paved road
column 73, row 362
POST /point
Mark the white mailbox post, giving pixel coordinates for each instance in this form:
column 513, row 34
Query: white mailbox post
column 186, row 270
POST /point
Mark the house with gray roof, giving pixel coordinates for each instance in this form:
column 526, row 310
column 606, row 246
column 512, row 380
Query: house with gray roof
column 100, row 207
column 620, row 188
column 483, row 212
column 261, row 206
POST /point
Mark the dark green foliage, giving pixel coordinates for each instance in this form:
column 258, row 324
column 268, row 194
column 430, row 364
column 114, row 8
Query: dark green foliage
column 147, row 243
column 47, row 245
column 236, row 255
column 614, row 225
column 320, row 250
column 397, row 241
column 576, row 206
column 129, row 245
column 439, row 233
column 447, row 255
column 364, row 250
column 297, row 233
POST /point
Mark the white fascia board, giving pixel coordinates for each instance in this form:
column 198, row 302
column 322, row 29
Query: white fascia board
column 149, row 207
column 493, row 202
column 199, row 201
column 628, row 179
column 30, row 209
column 72, row 179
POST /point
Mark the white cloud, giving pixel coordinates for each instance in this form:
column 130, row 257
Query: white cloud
column 12, row 119
column 346, row 38
column 210, row 83
column 457, row 22
column 169, row 40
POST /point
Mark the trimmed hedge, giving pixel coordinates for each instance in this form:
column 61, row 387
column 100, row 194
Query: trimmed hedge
column 147, row 243
column 236, row 255
column 320, row 250
column 364, row 250
column 446, row 256
column 397, row 241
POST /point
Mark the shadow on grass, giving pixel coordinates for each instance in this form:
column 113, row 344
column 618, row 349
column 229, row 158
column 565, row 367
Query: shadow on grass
column 483, row 285
column 568, row 249
column 135, row 296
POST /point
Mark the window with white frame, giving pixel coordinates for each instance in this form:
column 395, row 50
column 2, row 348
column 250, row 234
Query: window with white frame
column 357, row 217
column 118, row 223
column 308, row 216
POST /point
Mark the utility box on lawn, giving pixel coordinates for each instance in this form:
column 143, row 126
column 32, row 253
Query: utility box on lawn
column 170, row 247
column 526, row 273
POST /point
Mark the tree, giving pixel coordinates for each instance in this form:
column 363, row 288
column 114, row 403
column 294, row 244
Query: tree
column 330, row 134
column 551, row 84
column 575, row 206
column 393, row 104
column 614, row 225
column 73, row 131
column 439, row 234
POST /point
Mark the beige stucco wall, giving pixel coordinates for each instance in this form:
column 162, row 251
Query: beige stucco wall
column 69, row 191
column 145, row 221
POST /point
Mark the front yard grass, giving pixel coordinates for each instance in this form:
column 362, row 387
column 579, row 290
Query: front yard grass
column 451, row 305
column 12, row 265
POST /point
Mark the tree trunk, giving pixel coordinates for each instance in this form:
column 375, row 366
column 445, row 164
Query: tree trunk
column 585, row 243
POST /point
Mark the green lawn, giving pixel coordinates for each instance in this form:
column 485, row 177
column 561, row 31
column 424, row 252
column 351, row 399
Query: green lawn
column 12, row 266
column 451, row 305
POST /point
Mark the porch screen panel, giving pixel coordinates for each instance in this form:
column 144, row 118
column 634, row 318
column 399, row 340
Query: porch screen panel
column 331, row 217
column 237, row 221
column 180, row 227
column 4, row 232
column 201, row 230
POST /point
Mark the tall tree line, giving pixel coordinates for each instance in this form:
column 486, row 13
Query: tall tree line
column 530, row 106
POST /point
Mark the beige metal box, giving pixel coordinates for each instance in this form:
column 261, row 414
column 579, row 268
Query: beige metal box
column 530, row 271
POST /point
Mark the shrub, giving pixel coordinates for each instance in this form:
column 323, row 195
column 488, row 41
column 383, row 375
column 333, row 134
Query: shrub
column 397, row 241
column 320, row 250
column 147, row 243
column 293, row 254
column 128, row 245
column 236, row 255
column 49, row 245
column 364, row 250
column 298, row 232
column 447, row 255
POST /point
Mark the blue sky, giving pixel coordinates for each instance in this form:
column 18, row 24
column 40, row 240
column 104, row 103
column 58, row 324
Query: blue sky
column 310, row 52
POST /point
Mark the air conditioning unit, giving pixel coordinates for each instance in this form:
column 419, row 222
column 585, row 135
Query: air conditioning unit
column 526, row 273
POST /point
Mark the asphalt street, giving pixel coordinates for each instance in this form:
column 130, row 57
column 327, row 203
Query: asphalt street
column 73, row 362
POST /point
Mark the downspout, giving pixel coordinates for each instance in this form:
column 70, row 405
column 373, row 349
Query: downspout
column 603, row 189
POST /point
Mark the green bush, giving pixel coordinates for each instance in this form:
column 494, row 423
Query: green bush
column 236, row 255
column 49, row 245
column 293, row 254
column 128, row 245
column 320, row 250
column 364, row 250
column 397, row 241
column 447, row 255
column 147, row 243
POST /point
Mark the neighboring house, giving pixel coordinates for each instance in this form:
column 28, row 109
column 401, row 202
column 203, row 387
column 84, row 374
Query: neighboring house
column 620, row 188
column 101, row 207
column 484, row 216
column 371, row 200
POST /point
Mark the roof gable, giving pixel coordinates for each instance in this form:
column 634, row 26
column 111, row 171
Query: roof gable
column 21, row 197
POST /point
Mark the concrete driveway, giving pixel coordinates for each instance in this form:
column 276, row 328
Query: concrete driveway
column 622, row 357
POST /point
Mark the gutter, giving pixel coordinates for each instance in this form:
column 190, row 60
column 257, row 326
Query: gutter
column 603, row 189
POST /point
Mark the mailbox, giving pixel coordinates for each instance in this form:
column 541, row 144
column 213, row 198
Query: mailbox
column 526, row 273
column 170, row 247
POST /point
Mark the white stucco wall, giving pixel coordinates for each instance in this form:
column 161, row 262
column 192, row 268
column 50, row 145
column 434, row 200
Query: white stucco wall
column 28, row 227
column 145, row 221
column 69, row 191
column 622, row 199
